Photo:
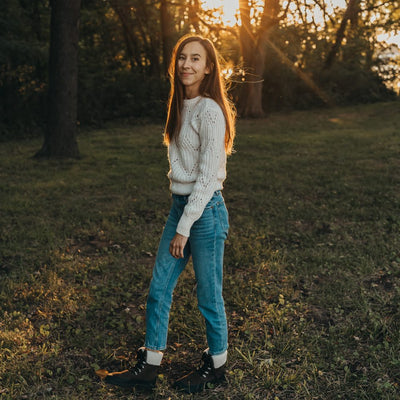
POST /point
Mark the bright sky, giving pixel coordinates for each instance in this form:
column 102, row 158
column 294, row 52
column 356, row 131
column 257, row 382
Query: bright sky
column 229, row 11
column 228, row 7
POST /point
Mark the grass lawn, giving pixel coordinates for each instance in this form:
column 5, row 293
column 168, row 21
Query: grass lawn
column 312, row 267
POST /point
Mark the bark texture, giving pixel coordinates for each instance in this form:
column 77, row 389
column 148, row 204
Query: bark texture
column 60, row 136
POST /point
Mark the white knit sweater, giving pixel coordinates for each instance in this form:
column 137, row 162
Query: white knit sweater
column 197, row 158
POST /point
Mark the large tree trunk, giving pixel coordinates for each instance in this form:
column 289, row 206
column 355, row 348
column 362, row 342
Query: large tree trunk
column 253, row 50
column 351, row 14
column 60, row 137
column 250, row 98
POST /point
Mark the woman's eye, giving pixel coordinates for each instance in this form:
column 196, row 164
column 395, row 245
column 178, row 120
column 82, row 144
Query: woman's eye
column 196, row 59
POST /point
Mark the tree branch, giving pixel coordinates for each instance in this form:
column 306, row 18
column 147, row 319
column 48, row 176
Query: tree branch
column 218, row 28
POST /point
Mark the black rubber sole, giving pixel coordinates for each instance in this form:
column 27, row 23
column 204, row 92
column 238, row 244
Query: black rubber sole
column 131, row 385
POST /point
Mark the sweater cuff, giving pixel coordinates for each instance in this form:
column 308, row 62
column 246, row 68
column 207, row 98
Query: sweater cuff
column 184, row 226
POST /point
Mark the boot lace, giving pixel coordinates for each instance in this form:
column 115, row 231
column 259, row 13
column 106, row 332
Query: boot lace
column 141, row 363
column 205, row 369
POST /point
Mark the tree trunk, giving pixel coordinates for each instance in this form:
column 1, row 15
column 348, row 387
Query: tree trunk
column 350, row 14
column 250, row 98
column 123, row 13
column 151, row 40
column 252, row 45
column 194, row 8
column 60, row 136
column 166, row 34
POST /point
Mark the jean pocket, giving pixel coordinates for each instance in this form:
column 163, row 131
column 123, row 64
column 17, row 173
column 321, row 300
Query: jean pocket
column 223, row 217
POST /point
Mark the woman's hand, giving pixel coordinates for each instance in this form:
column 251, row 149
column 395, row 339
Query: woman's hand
column 177, row 245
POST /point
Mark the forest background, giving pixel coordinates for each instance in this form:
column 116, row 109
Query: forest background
column 279, row 55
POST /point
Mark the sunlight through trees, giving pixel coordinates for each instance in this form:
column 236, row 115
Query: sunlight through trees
column 279, row 53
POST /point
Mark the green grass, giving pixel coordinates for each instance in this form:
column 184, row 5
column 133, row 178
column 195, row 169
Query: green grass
column 312, row 277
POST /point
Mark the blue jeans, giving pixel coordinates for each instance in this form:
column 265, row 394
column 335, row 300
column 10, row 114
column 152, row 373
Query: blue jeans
column 206, row 246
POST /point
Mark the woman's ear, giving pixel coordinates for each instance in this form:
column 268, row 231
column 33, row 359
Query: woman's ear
column 209, row 69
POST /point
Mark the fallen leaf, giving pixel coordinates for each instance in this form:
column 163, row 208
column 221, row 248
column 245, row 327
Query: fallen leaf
column 102, row 373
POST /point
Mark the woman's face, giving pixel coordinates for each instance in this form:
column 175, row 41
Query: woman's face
column 192, row 67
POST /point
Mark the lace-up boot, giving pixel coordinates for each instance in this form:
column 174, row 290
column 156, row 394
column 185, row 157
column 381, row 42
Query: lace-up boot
column 142, row 374
column 203, row 377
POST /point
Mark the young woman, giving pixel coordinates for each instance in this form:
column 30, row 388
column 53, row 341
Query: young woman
column 199, row 133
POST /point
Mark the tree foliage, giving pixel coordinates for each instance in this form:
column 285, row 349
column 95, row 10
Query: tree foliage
column 24, row 32
column 285, row 54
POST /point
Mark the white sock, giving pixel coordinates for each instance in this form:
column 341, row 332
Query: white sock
column 220, row 359
column 154, row 357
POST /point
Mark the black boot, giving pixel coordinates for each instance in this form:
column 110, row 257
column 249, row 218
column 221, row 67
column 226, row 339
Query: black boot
column 202, row 377
column 142, row 374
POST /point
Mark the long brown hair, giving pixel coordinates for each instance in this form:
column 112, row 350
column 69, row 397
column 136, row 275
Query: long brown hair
column 212, row 86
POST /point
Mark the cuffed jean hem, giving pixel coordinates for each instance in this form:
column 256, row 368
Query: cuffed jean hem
column 154, row 348
column 217, row 354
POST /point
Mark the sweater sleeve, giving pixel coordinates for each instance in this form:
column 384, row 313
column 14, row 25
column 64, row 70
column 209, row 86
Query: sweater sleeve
column 212, row 156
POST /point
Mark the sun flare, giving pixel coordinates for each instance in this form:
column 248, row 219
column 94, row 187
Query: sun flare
column 225, row 10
